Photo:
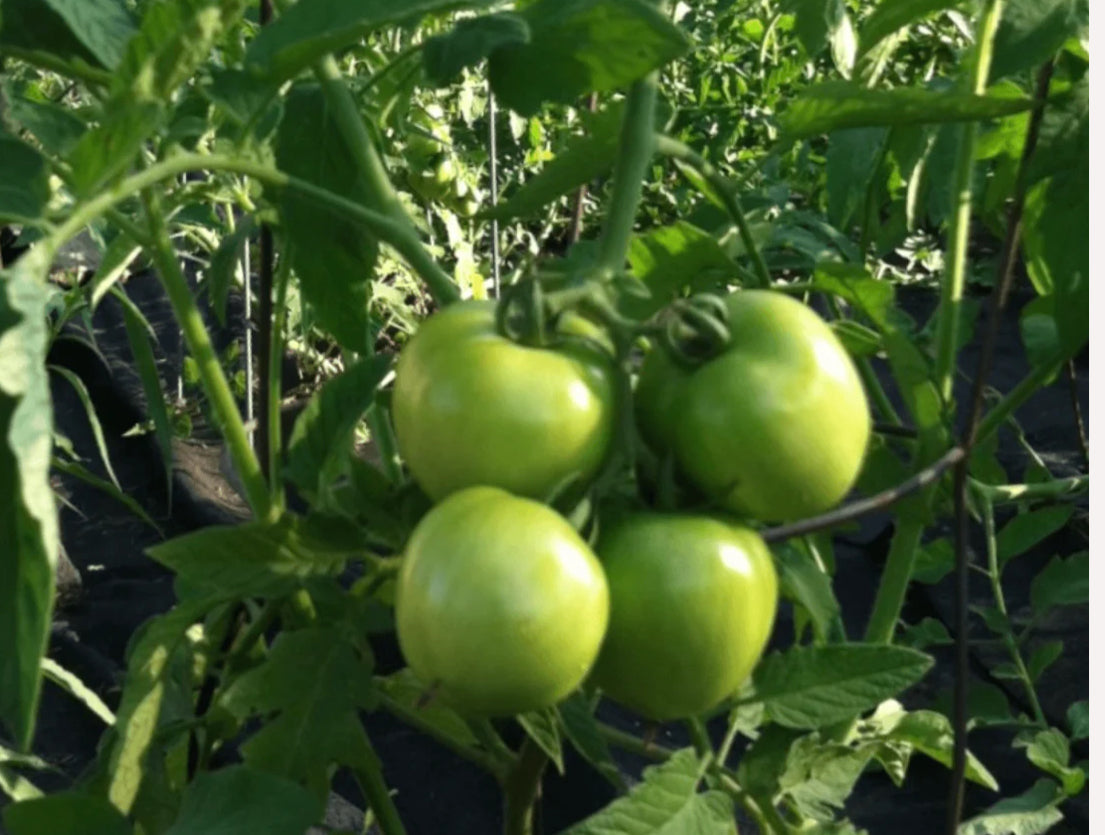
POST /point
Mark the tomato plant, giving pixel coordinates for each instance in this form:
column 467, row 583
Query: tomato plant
column 570, row 442
column 775, row 426
column 692, row 604
column 473, row 407
column 524, row 634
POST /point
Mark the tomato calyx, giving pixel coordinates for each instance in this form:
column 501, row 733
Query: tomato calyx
column 697, row 330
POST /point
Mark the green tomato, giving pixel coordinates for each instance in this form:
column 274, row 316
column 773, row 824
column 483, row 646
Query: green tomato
column 692, row 605
column 776, row 426
column 471, row 407
column 500, row 606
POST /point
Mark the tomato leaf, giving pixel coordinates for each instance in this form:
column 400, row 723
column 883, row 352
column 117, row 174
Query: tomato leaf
column 930, row 733
column 674, row 260
column 1031, row 813
column 810, row 687
column 311, row 685
column 24, row 181
column 323, row 432
column 888, row 18
column 805, row 583
column 105, row 152
column 1063, row 582
column 56, row 127
column 310, row 29
column 469, row 42
column 145, row 696
column 335, row 279
column 1031, row 31
column 853, row 159
column 95, row 31
column 224, row 266
column 28, row 513
column 582, row 159
column 833, row 105
column 582, row 46
column 665, row 802
column 139, row 332
column 407, row 694
column 241, row 801
column 543, row 727
column 1049, row 751
column 578, row 722
column 1026, row 530
column 67, row 813
column 255, row 558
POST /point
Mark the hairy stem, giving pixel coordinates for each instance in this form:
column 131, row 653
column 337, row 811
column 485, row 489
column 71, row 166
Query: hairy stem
column 635, row 150
column 522, row 788
column 215, row 386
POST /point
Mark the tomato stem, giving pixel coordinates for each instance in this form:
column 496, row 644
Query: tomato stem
column 522, row 788
column 360, row 144
column 636, row 147
column 223, row 405
column 376, row 792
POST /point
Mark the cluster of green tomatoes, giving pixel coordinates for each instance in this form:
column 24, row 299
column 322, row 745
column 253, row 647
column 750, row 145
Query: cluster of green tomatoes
column 503, row 608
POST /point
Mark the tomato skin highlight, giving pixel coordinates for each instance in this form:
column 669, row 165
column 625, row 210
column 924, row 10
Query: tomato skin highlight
column 471, row 407
column 692, row 605
column 776, row 426
column 500, row 606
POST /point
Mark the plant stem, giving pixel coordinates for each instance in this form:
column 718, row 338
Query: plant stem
column 947, row 323
column 371, row 778
column 1009, row 493
column 1076, row 408
column 862, row 507
column 895, row 580
column 48, row 61
column 360, row 143
column 521, row 789
column 994, row 573
column 275, row 377
column 223, row 405
column 635, row 150
column 412, row 717
column 725, row 192
column 1016, row 398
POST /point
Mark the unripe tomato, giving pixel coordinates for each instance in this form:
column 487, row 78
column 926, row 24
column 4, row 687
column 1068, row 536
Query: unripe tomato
column 692, row 604
column 500, row 606
column 472, row 407
column 776, row 426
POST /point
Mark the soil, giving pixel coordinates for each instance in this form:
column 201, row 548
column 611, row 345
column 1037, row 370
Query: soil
column 114, row 588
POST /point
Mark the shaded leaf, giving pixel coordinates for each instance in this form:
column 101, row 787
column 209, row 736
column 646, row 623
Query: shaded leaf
column 240, row 801
column 24, row 181
column 889, row 17
column 93, row 419
column 310, row 29
column 1026, row 530
column 67, row 813
column 1031, row 32
column 323, row 431
column 335, row 278
column 1063, row 582
column 55, row 126
column 543, row 727
column 582, row 46
column 138, row 335
column 469, row 42
column 1043, row 657
column 309, row 690
column 225, row 263
column 672, row 261
column 931, row 734
column 582, row 730
column 833, row 105
column 409, row 694
column 803, row 581
column 582, row 159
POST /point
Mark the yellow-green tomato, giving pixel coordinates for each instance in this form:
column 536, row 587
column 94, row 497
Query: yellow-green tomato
column 471, row 407
column 776, row 426
column 500, row 606
column 692, row 605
